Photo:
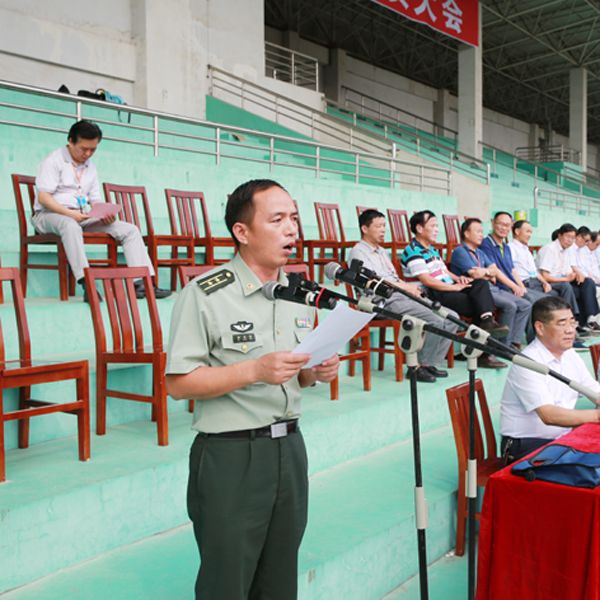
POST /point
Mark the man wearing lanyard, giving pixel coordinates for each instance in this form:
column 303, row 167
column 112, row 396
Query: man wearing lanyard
column 67, row 185
column 374, row 257
column 469, row 259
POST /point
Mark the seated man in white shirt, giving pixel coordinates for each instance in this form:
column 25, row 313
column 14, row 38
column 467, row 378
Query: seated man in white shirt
column 67, row 185
column 535, row 408
column 584, row 259
column 374, row 257
column 556, row 264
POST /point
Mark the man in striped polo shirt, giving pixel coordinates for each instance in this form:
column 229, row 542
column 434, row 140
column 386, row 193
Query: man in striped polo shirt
column 468, row 297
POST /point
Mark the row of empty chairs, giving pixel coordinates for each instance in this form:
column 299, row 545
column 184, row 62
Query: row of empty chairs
column 190, row 232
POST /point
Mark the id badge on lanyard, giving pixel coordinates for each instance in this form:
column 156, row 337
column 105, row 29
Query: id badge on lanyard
column 82, row 201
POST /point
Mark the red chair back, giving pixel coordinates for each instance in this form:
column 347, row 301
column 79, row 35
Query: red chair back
column 452, row 229
column 11, row 276
column 123, row 311
column 361, row 209
column 23, row 185
column 129, row 197
column 595, row 352
column 485, row 440
column 329, row 221
column 184, row 209
column 399, row 225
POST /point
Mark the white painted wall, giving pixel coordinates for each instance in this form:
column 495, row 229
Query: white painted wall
column 154, row 53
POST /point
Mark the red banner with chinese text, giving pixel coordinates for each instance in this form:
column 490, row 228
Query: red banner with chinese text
column 456, row 18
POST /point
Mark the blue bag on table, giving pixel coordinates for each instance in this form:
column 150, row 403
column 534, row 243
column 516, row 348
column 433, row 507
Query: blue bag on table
column 561, row 464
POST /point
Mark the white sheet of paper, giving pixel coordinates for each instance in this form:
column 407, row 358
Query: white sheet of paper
column 332, row 334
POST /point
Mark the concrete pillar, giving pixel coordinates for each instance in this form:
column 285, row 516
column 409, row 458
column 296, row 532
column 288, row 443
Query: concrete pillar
column 470, row 88
column 334, row 75
column 441, row 113
column 170, row 63
column 535, row 134
column 578, row 113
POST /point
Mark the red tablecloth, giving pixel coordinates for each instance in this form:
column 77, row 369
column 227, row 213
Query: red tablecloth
column 541, row 540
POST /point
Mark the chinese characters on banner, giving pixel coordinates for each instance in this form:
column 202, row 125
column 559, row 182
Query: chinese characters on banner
column 456, row 18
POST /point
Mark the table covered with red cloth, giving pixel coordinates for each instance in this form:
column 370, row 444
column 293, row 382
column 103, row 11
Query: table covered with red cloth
column 540, row 540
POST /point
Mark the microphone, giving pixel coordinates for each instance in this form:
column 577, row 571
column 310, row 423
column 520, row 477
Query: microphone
column 360, row 277
column 273, row 290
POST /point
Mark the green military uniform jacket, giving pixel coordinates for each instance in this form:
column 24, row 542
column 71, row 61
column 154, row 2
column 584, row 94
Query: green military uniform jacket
column 222, row 318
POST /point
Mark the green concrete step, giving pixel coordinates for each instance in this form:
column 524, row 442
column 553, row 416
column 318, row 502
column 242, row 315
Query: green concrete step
column 360, row 542
column 57, row 511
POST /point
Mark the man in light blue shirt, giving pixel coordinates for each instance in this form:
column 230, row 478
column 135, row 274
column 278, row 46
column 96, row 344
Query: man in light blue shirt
column 370, row 251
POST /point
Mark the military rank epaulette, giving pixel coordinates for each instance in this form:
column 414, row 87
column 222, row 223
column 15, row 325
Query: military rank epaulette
column 216, row 281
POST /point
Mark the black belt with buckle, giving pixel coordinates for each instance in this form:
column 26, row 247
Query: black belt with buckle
column 273, row 431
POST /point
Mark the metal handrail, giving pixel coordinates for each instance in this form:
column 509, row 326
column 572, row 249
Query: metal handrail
column 381, row 103
column 297, row 68
column 320, row 124
column 584, row 205
column 556, row 152
column 516, row 163
column 364, row 166
column 455, row 159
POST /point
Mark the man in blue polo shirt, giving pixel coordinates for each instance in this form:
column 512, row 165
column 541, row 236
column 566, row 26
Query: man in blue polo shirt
column 468, row 259
column 496, row 247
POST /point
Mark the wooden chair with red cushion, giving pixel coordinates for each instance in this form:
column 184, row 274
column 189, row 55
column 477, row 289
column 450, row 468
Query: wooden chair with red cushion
column 452, row 229
column 188, row 215
column 128, row 345
column 486, row 451
column 359, row 348
column 331, row 238
column 22, row 373
column 135, row 209
column 24, row 186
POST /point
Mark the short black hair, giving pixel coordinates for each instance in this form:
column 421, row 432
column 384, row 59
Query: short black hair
column 518, row 224
column 502, row 212
column 566, row 228
column 583, row 231
column 240, row 207
column 544, row 307
column 366, row 217
column 466, row 224
column 420, row 218
column 84, row 129
column 593, row 236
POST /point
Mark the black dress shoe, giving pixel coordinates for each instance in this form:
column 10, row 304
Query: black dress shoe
column 140, row 291
column 424, row 376
column 437, row 372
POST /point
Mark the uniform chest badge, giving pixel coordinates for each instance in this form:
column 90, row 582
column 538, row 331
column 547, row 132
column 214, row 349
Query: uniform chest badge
column 304, row 322
column 242, row 326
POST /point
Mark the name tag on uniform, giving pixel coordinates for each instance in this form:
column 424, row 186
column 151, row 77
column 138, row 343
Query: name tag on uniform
column 240, row 338
column 304, row 322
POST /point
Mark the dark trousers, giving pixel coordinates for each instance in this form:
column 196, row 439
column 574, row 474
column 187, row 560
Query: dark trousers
column 585, row 294
column 513, row 449
column 470, row 302
column 247, row 499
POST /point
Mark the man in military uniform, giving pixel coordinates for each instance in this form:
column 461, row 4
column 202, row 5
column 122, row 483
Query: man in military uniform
column 230, row 350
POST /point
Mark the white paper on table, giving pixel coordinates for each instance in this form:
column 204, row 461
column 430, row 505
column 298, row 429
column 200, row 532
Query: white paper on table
column 332, row 334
